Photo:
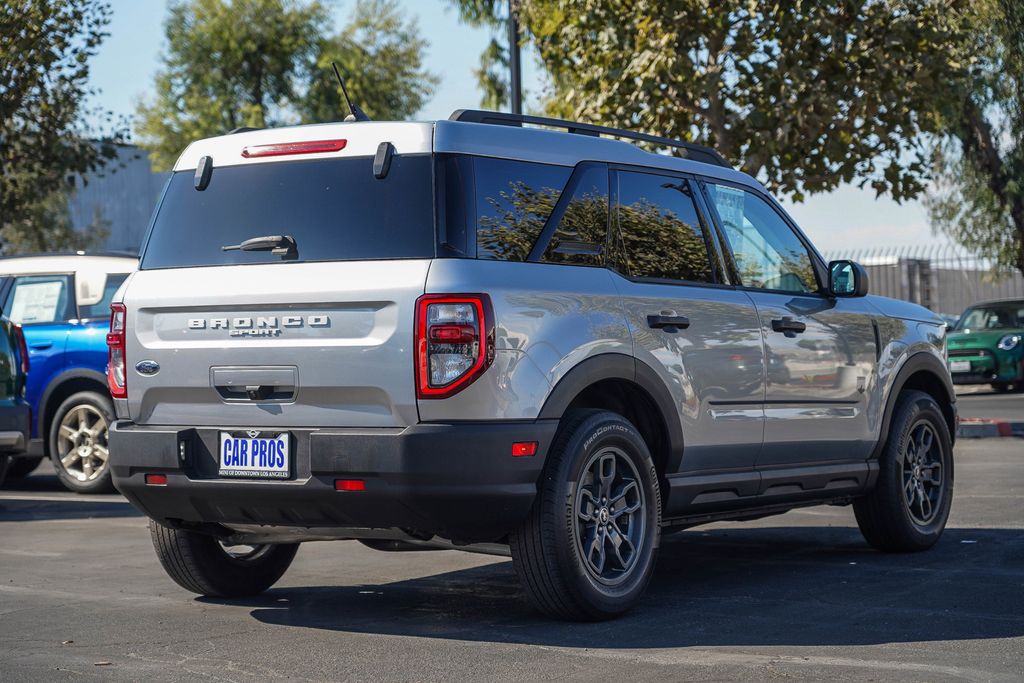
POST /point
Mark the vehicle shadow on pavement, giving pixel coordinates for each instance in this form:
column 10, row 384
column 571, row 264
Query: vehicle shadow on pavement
column 63, row 505
column 765, row 586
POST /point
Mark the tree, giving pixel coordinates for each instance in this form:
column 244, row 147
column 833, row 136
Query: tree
column 803, row 95
column 259, row 63
column 46, row 227
column 228, row 64
column 979, row 196
column 381, row 59
column 492, row 74
column 45, row 46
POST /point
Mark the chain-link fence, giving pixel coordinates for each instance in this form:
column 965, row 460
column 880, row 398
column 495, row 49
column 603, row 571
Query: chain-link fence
column 943, row 278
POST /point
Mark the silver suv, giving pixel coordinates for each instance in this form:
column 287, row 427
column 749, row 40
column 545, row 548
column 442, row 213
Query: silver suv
column 483, row 334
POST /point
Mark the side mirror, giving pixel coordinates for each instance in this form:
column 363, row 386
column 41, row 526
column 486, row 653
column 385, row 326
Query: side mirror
column 847, row 279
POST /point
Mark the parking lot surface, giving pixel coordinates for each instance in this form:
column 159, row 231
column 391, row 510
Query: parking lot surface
column 983, row 402
column 799, row 596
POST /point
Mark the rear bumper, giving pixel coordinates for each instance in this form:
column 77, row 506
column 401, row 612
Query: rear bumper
column 457, row 481
column 15, row 425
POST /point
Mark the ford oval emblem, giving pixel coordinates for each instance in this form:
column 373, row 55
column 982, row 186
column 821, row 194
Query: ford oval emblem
column 147, row 367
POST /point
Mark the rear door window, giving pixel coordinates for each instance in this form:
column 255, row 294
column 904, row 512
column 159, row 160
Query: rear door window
column 513, row 202
column 659, row 229
column 37, row 299
column 335, row 209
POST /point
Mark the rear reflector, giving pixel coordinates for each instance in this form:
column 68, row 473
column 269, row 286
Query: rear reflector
column 156, row 480
column 349, row 485
column 286, row 148
column 524, row 448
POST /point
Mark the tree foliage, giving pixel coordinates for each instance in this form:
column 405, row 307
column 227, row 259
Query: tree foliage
column 381, row 57
column 492, row 74
column 258, row 63
column 803, row 95
column 979, row 196
column 45, row 46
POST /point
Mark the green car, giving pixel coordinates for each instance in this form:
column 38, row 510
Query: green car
column 987, row 345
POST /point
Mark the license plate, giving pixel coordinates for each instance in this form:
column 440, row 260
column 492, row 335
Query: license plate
column 254, row 454
column 959, row 366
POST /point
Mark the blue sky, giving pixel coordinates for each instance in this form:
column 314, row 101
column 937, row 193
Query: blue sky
column 123, row 72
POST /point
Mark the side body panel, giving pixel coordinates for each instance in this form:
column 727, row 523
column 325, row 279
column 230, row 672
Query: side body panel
column 46, row 352
column 548, row 318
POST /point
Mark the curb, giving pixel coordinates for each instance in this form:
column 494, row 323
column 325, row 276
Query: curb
column 981, row 428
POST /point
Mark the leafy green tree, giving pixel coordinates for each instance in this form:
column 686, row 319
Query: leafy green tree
column 979, row 197
column 381, row 59
column 45, row 46
column 258, row 63
column 46, row 227
column 804, row 95
column 228, row 64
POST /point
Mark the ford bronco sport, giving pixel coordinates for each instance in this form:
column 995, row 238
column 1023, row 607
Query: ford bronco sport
column 485, row 334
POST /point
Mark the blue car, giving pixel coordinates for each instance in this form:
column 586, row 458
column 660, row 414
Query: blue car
column 62, row 303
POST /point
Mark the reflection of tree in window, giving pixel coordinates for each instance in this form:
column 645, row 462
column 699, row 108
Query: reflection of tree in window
column 514, row 201
column 660, row 230
column 584, row 224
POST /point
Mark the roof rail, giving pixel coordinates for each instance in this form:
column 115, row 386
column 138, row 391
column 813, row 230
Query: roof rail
column 691, row 151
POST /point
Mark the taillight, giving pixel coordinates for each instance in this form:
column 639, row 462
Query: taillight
column 454, row 342
column 19, row 338
column 117, row 379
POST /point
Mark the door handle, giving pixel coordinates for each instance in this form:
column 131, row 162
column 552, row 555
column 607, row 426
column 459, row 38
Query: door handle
column 788, row 325
column 41, row 346
column 670, row 323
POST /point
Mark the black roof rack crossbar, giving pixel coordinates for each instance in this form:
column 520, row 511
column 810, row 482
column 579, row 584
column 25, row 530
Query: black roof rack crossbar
column 691, row 151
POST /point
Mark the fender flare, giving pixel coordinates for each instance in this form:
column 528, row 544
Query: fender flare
column 619, row 366
column 55, row 383
column 917, row 362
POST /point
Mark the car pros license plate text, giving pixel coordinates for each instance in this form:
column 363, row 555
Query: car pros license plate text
column 254, row 455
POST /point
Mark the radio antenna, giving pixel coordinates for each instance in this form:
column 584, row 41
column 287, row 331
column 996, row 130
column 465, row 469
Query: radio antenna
column 355, row 113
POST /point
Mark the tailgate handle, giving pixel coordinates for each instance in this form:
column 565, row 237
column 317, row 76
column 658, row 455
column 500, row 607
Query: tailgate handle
column 255, row 384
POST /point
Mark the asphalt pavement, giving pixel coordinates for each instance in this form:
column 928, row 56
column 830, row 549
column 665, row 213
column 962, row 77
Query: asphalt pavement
column 981, row 402
column 798, row 596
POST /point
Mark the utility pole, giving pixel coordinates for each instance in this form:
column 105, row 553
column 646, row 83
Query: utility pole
column 516, row 80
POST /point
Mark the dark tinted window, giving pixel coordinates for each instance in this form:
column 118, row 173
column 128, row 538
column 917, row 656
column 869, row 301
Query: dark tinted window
column 583, row 228
column 660, row 230
column 768, row 254
column 38, row 299
column 101, row 309
column 513, row 201
column 334, row 208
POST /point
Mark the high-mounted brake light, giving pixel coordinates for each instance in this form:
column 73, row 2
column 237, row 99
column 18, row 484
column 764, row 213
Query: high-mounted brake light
column 454, row 342
column 117, row 375
column 286, row 148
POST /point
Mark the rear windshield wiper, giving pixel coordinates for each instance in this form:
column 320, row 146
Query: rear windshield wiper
column 278, row 245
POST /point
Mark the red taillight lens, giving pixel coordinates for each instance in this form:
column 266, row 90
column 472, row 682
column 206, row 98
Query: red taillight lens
column 286, row 148
column 454, row 342
column 117, row 375
column 19, row 338
column 349, row 485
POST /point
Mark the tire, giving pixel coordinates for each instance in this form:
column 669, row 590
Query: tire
column 1002, row 387
column 85, row 468
column 200, row 564
column 559, row 577
column 20, row 468
column 909, row 506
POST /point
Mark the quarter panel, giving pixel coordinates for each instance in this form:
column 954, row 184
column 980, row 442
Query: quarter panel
column 548, row 318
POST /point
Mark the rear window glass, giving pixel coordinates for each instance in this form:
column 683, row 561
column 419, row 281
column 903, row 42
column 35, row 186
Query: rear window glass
column 335, row 209
column 513, row 201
